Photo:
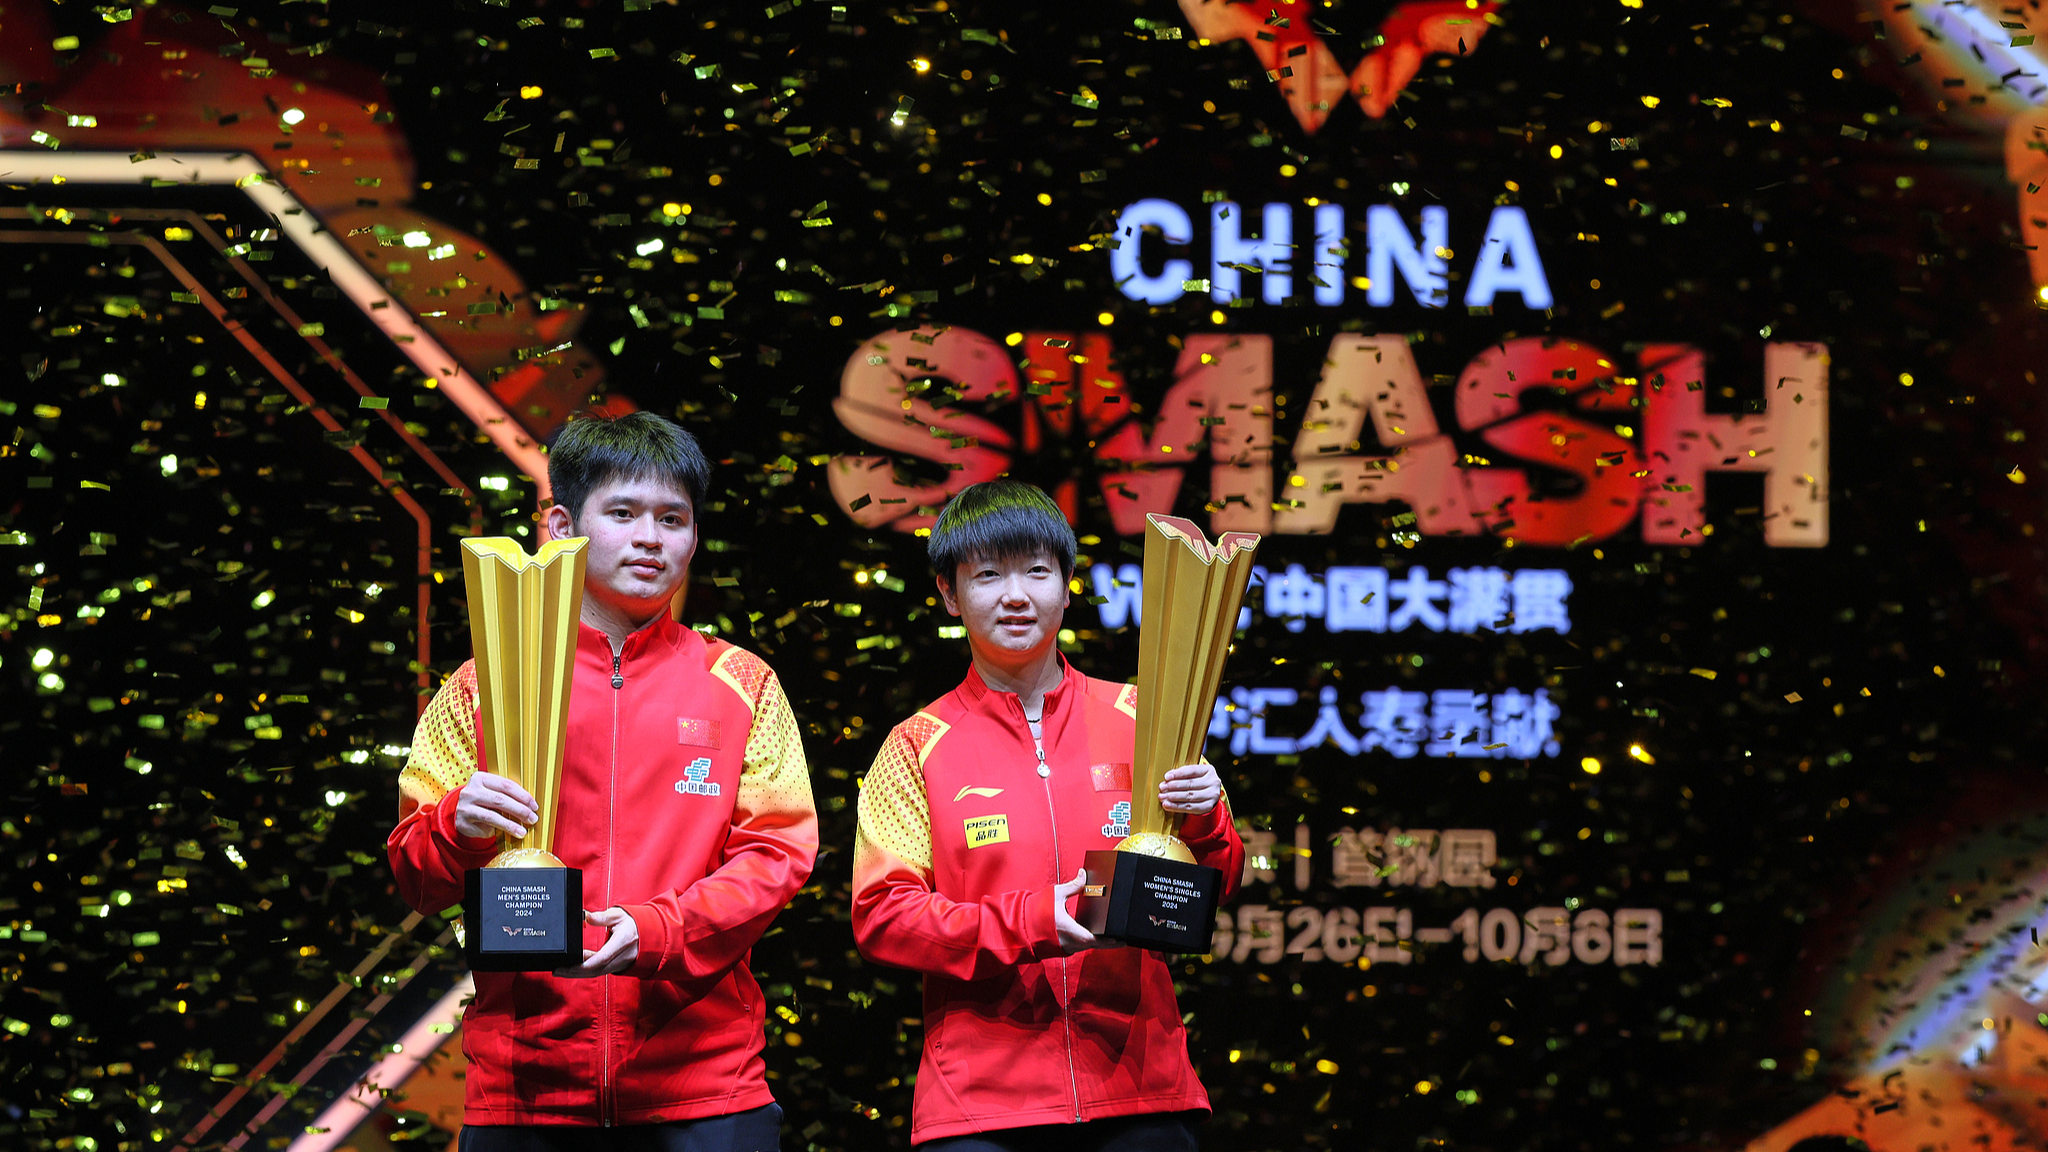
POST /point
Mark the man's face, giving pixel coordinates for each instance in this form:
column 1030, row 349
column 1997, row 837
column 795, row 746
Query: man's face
column 1012, row 608
column 642, row 534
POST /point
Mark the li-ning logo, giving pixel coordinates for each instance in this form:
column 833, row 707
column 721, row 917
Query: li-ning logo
column 1297, row 57
column 694, row 782
column 1119, row 824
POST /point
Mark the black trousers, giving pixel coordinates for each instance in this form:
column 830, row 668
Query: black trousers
column 758, row 1130
column 1152, row 1132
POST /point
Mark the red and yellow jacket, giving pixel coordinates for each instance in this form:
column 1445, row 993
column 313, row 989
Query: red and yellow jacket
column 685, row 800
column 960, row 842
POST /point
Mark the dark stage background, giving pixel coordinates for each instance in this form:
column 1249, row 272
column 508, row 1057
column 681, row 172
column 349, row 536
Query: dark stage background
column 216, row 640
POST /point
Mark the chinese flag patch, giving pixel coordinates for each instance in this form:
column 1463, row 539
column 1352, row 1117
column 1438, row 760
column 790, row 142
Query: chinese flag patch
column 699, row 733
column 1111, row 777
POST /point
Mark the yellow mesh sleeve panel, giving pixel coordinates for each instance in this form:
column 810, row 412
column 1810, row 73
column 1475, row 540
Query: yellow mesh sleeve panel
column 923, row 731
column 775, row 776
column 443, row 755
column 895, row 815
column 744, row 671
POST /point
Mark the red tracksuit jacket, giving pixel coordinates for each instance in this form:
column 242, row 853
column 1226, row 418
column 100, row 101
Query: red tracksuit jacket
column 685, row 799
column 960, row 842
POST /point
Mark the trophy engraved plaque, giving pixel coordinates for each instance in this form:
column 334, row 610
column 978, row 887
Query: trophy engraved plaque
column 1149, row 891
column 524, row 910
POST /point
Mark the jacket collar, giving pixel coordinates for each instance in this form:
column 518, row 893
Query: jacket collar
column 1006, row 707
column 664, row 634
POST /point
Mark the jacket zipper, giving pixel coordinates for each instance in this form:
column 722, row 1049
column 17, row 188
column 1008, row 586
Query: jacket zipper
column 1066, row 994
column 607, row 1103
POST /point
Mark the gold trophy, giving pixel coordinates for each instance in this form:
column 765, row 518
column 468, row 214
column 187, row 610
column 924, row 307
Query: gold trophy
column 524, row 910
column 1149, row 891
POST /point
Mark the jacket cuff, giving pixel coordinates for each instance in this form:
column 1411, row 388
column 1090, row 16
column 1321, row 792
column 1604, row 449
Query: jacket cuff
column 1044, row 939
column 1204, row 826
column 653, row 931
column 473, row 851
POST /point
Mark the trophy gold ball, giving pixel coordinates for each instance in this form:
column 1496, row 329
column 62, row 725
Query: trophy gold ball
column 1150, row 891
column 1156, row 844
column 525, row 858
column 524, row 910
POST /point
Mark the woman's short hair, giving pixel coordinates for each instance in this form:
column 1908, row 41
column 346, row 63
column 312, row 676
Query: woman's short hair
column 999, row 520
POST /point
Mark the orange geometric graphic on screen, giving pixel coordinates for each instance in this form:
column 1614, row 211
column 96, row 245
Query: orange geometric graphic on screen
column 1978, row 61
column 1295, row 53
column 325, row 129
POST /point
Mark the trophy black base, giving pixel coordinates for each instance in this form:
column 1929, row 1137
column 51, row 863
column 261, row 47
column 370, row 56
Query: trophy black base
column 522, row 919
column 1150, row 901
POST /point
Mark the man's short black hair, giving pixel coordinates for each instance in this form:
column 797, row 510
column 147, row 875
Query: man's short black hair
column 596, row 449
column 999, row 520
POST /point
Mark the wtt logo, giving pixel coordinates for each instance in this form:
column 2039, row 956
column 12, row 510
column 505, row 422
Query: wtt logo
column 1296, row 56
column 1576, row 442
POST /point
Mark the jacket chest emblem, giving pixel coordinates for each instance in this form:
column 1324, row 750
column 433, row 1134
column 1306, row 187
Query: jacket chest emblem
column 983, row 831
column 701, row 733
column 1119, row 825
column 694, row 782
column 1110, row 777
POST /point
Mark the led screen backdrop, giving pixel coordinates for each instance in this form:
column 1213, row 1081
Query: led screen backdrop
column 1633, row 721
